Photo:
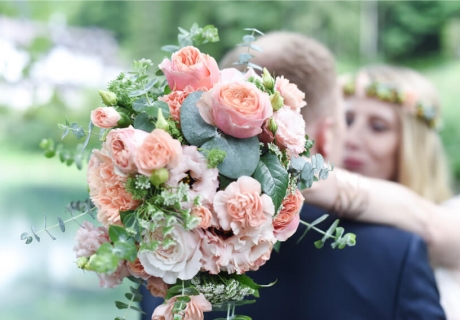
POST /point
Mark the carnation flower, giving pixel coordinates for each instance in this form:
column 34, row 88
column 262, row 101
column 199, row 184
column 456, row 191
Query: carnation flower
column 107, row 189
column 293, row 97
column 89, row 239
column 114, row 279
column 193, row 311
column 290, row 135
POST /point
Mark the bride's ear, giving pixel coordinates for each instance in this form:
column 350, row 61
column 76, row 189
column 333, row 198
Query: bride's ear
column 324, row 143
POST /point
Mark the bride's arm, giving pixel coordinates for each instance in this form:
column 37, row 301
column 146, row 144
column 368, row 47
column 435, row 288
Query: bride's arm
column 384, row 202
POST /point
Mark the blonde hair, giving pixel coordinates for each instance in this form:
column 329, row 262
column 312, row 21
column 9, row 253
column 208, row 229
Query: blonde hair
column 302, row 60
column 422, row 164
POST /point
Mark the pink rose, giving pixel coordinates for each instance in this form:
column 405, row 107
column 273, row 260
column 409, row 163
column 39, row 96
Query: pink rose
column 122, row 144
column 189, row 66
column 89, row 239
column 287, row 221
column 241, row 205
column 204, row 214
column 231, row 75
column 157, row 287
column 107, row 189
column 180, row 260
column 293, row 97
column 238, row 109
column 105, row 117
column 157, row 151
column 290, row 135
column 193, row 311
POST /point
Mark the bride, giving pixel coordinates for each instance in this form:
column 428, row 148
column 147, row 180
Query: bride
column 392, row 116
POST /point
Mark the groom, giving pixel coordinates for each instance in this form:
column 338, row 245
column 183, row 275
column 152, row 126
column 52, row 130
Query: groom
column 386, row 275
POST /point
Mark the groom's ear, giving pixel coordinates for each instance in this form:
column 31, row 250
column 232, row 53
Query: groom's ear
column 324, row 143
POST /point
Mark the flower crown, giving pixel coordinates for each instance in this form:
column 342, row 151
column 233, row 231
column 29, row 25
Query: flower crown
column 392, row 94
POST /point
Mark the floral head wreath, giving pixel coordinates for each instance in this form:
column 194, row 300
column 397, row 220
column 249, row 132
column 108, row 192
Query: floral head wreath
column 361, row 85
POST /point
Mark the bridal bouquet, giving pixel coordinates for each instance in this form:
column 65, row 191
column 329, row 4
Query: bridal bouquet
column 195, row 181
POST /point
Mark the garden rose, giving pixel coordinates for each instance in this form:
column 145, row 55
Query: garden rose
column 107, row 189
column 190, row 67
column 180, row 260
column 158, row 150
column 287, row 221
column 242, row 206
column 89, row 239
column 293, row 97
column 237, row 108
column 105, row 117
column 157, row 287
column 193, row 311
column 290, row 135
column 121, row 145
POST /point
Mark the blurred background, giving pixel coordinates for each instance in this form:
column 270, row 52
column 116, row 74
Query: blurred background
column 55, row 55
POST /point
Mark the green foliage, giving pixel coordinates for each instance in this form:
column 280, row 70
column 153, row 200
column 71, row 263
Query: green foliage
column 214, row 157
column 273, row 178
column 195, row 37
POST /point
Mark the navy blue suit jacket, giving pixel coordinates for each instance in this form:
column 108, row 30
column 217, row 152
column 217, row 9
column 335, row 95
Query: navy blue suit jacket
column 385, row 276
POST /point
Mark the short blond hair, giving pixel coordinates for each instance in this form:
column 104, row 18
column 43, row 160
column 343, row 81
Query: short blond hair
column 303, row 61
column 422, row 164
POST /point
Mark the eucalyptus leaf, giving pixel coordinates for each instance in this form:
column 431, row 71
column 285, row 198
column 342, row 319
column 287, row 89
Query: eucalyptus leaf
column 152, row 110
column 307, row 175
column 121, row 305
column 61, row 224
column 144, row 90
column 140, row 105
column 242, row 155
column 196, row 131
column 273, row 177
column 143, row 122
column 77, row 130
column 117, row 233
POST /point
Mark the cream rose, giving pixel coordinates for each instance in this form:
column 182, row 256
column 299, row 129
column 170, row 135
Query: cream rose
column 121, row 145
column 287, row 221
column 237, row 108
column 290, row 135
column 190, row 67
column 158, row 150
column 180, row 260
column 105, row 117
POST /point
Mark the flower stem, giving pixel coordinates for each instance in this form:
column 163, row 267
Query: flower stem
column 316, row 229
column 65, row 221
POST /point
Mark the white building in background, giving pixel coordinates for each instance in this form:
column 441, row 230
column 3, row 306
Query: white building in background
column 78, row 58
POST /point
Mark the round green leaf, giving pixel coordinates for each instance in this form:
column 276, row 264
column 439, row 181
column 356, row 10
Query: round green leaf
column 242, row 155
column 196, row 131
column 143, row 122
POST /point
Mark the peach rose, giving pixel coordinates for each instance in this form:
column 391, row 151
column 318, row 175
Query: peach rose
column 287, row 221
column 157, row 287
column 204, row 214
column 237, row 108
column 193, row 311
column 190, row 67
column 122, row 144
column 242, row 206
column 157, row 151
column 293, row 97
column 107, row 189
column 105, row 117
column 290, row 135
column 137, row 270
